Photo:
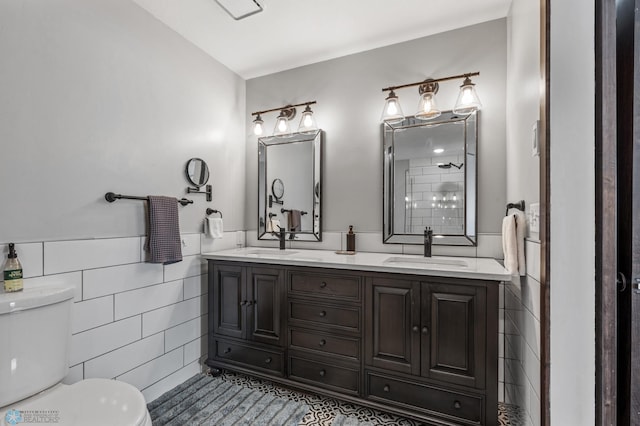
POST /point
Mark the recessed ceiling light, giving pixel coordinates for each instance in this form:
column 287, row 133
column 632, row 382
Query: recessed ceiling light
column 239, row 9
column 438, row 150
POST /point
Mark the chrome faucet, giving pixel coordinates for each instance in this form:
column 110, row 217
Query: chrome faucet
column 428, row 240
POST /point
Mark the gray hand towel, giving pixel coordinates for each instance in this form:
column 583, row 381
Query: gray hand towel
column 295, row 219
column 163, row 241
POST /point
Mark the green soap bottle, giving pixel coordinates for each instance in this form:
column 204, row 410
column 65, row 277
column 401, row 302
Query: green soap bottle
column 12, row 271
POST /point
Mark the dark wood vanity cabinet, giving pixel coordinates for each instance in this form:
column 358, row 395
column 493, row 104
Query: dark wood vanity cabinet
column 421, row 347
column 246, row 316
column 427, row 340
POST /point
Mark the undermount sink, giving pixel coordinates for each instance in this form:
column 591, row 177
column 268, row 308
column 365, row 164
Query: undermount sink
column 271, row 252
column 426, row 261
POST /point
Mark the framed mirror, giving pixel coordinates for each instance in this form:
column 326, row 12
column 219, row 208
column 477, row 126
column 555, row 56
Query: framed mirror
column 430, row 179
column 197, row 172
column 293, row 162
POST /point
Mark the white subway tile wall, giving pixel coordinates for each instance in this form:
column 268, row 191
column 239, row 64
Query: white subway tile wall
column 522, row 337
column 142, row 323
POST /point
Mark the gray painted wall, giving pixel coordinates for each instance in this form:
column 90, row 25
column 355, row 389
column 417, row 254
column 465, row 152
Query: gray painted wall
column 99, row 96
column 349, row 106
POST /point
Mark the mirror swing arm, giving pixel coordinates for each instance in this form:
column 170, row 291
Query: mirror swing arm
column 208, row 191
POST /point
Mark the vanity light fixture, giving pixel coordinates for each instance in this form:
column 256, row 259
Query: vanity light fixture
column 427, row 108
column 468, row 100
column 258, row 126
column 466, row 103
column 307, row 121
column 392, row 112
column 287, row 113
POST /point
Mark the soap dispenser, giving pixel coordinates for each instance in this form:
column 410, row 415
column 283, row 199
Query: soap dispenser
column 12, row 271
column 351, row 239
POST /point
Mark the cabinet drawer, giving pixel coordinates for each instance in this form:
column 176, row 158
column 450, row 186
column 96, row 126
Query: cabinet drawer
column 268, row 361
column 330, row 376
column 345, row 346
column 338, row 286
column 347, row 318
column 460, row 406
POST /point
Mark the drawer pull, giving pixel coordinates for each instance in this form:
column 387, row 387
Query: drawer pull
column 425, row 330
column 323, row 373
column 322, row 342
column 457, row 405
column 386, row 388
column 226, row 351
column 268, row 360
column 323, row 284
column 323, row 314
column 415, row 328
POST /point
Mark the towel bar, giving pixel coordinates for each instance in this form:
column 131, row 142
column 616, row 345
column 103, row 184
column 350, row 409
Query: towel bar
column 283, row 210
column 111, row 197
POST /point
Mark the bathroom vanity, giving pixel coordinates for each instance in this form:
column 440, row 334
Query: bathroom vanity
column 405, row 334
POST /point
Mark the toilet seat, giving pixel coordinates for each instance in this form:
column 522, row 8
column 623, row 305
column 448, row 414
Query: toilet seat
column 95, row 402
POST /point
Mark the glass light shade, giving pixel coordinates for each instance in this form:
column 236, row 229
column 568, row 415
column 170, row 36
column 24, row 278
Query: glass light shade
column 282, row 125
column 427, row 107
column 468, row 100
column 307, row 121
column 392, row 111
column 258, row 126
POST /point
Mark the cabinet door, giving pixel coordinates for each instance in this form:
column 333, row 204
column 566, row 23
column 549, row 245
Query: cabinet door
column 454, row 333
column 229, row 299
column 392, row 325
column 264, row 305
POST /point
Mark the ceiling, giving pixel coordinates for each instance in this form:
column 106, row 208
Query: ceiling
column 292, row 33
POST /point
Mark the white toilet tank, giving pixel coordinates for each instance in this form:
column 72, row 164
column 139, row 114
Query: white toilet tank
column 35, row 333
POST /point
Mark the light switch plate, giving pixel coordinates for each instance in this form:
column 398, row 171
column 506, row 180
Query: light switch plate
column 534, row 217
column 535, row 141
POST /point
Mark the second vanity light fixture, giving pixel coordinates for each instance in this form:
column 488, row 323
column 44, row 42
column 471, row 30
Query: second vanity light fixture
column 466, row 103
column 287, row 113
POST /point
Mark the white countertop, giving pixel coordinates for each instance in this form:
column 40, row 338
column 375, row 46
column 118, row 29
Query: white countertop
column 441, row 266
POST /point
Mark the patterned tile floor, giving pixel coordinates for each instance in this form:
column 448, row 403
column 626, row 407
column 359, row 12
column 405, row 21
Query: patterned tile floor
column 324, row 410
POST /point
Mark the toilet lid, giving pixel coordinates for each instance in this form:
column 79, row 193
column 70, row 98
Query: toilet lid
column 95, row 402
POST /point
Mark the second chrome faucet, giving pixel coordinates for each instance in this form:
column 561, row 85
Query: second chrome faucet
column 428, row 240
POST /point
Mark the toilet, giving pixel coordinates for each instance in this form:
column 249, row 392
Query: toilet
column 35, row 333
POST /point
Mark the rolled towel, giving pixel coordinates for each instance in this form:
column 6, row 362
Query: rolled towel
column 213, row 227
column 521, row 229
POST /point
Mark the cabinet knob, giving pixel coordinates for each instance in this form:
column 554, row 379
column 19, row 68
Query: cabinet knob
column 323, row 284
column 244, row 302
column 323, row 373
column 386, row 388
column 415, row 328
column 425, row 330
column 251, row 302
column 268, row 360
column 322, row 342
column 457, row 405
column 323, row 313
column 226, row 351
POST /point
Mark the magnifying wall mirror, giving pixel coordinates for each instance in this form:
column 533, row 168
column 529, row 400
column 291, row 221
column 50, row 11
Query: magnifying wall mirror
column 197, row 172
column 292, row 162
column 430, row 179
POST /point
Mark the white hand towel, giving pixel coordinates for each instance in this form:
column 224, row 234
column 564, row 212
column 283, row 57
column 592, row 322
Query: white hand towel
column 213, row 227
column 273, row 225
column 521, row 227
column 513, row 232
column 510, row 244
